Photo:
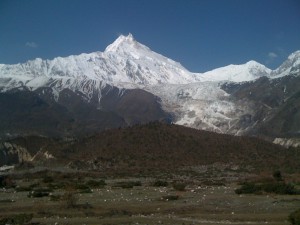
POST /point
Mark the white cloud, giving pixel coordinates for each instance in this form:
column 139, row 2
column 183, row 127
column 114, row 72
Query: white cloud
column 272, row 55
column 31, row 44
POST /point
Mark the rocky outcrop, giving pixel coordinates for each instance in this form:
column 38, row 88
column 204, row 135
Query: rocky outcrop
column 287, row 142
column 13, row 154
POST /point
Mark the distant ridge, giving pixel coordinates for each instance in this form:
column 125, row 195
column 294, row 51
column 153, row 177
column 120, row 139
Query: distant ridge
column 160, row 147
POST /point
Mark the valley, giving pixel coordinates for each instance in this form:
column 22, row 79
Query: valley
column 149, row 174
column 78, row 197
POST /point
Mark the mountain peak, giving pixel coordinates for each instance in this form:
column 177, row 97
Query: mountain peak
column 130, row 36
column 256, row 65
column 127, row 38
column 120, row 41
column 237, row 73
column 294, row 55
column 289, row 66
column 252, row 63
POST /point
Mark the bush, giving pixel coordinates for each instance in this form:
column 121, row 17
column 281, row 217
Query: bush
column 127, row 184
column 213, row 183
column 170, row 197
column 179, row 186
column 18, row 219
column 26, row 188
column 277, row 175
column 95, row 184
column 160, row 183
column 23, row 188
column 43, row 189
column 55, row 198
column 271, row 187
column 48, row 179
column 6, row 182
column 37, row 194
column 70, row 198
column 7, row 200
column 56, row 185
column 279, row 188
column 294, row 217
column 85, row 191
column 248, row 188
column 83, row 188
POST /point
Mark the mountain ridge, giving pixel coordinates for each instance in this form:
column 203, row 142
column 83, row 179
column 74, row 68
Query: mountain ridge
column 156, row 147
column 127, row 76
column 127, row 53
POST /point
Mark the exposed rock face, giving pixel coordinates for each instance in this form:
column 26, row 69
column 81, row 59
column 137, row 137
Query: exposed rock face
column 276, row 104
column 13, row 154
column 25, row 112
column 295, row 142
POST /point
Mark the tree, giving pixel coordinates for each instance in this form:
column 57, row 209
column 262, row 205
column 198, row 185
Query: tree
column 294, row 217
column 277, row 175
column 70, row 197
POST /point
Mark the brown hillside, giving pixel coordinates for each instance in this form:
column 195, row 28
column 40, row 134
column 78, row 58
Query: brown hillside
column 157, row 146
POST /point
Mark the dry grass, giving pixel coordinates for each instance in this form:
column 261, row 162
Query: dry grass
column 147, row 204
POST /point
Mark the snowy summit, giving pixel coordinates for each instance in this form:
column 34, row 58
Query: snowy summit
column 126, row 61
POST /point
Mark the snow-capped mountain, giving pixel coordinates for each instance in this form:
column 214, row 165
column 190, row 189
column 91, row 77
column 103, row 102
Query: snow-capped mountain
column 129, row 83
column 126, row 63
column 143, row 66
column 289, row 67
column 237, row 73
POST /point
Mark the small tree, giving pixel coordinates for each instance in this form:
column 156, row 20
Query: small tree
column 277, row 175
column 294, row 217
column 179, row 186
column 7, row 182
column 70, row 198
column 160, row 183
column 18, row 219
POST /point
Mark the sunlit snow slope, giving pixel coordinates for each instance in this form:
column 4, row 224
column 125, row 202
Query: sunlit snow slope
column 125, row 63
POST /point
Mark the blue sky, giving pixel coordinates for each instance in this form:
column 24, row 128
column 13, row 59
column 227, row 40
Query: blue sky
column 200, row 34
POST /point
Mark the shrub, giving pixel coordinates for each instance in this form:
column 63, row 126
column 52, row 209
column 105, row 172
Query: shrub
column 279, row 188
column 26, row 188
column 23, row 188
column 160, row 183
column 7, row 200
column 43, row 189
column 81, row 186
column 6, row 182
column 213, row 183
column 170, row 197
column 127, row 184
column 294, row 217
column 37, row 194
column 48, row 179
column 95, row 184
column 18, row 219
column 56, row 185
column 55, row 198
column 248, row 188
column 271, row 187
column 179, row 186
column 70, row 198
column 85, row 191
column 277, row 175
